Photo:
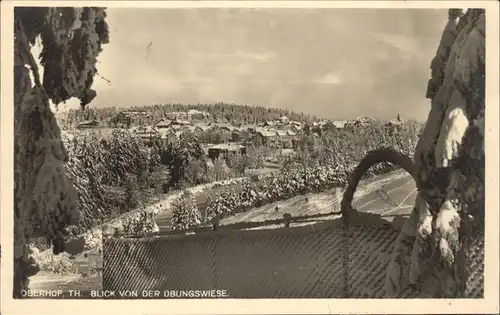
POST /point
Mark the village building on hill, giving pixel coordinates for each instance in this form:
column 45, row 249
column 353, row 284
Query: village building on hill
column 293, row 135
column 248, row 127
column 225, row 150
column 267, row 123
column 226, row 126
column 360, row 121
column 281, row 133
column 394, row 125
column 146, row 134
column 180, row 122
column 237, row 123
column 267, row 138
column 284, row 120
column 395, row 122
column 200, row 128
column 182, row 116
column 88, row 124
column 183, row 128
column 294, row 139
column 241, row 135
column 339, row 124
column 136, row 112
column 194, row 114
column 177, row 115
column 171, row 115
column 220, row 120
column 123, row 120
column 169, row 136
column 325, row 124
column 282, row 139
column 189, row 128
column 164, row 124
column 295, row 128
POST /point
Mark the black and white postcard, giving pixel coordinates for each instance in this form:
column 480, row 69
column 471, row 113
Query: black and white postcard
column 238, row 157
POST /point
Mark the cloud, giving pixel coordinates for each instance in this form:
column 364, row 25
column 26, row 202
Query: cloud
column 408, row 47
column 264, row 57
column 336, row 63
column 330, row 78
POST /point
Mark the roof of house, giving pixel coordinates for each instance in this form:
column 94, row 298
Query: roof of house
column 223, row 125
column 163, row 123
column 88, row 122
column 220, row 120
column 135, row 112
column 170, row 132
column 177, row 115
column 238, row 122
column 227, row 146
column 145, row 130
column 248, row 126
column 395, row 122
column 339, row 123
column 266, row 133
column 182, row 122
column 202, row 127
column 365, row 119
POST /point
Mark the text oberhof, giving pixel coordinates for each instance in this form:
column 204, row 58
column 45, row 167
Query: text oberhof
column 102, row 294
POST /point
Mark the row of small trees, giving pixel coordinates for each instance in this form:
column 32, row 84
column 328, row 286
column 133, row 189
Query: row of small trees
column 289, row 182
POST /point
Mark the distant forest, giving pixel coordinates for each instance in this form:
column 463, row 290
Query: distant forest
column 235, row 114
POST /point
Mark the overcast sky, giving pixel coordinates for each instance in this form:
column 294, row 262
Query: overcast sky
column 333, row 63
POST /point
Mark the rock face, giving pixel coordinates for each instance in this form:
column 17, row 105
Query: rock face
column 432, row 250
